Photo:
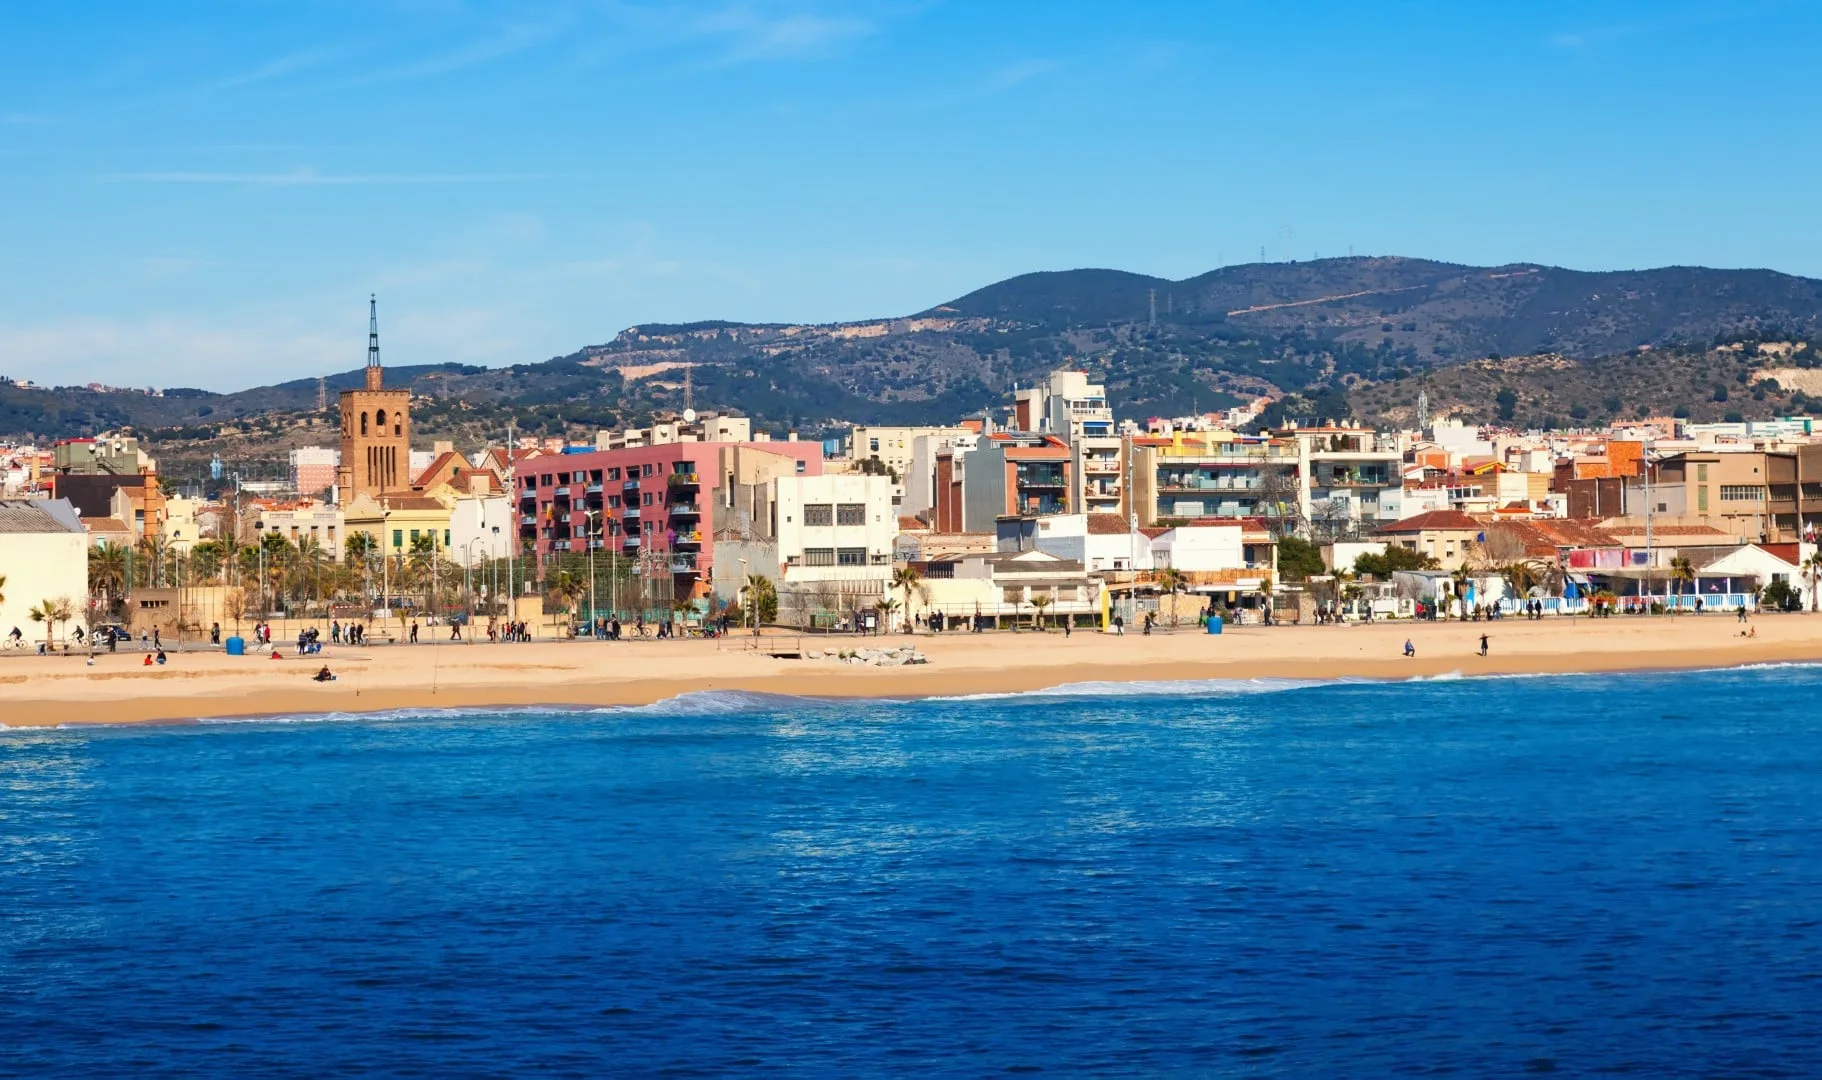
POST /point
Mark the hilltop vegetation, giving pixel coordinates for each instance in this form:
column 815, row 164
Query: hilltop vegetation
column 1333, row 336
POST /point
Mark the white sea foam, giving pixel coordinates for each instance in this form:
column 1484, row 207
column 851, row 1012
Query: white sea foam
column 713, row 703
column 1154, row 688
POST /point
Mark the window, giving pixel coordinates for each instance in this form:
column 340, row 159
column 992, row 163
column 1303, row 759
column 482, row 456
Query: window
column 445, row 537
column 818, row 514
column 414, row 536
column 851, row 557
column 685, row 467
column 363, row 423
column 398, row 538
column 645, row 470
column 851, row 514
column 874, row 445
column 1742, row 493
column 819, row 556
column 613, row 502
column 645, row 499
column 1701, row 471
column 1701, row 497
column 613, row 474
column 800, row 469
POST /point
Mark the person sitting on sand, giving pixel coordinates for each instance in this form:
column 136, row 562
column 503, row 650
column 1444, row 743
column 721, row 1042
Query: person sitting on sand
column 161, row 656
column 148, row 660
column 324, row 675
column 275, row 655
column 1410, row 650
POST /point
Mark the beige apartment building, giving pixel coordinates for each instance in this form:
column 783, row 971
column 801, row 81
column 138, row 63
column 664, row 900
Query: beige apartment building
column 1729, row 490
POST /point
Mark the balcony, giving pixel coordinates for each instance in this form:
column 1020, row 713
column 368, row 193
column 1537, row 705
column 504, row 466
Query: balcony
column 691, row 538
column 528, row 519
column 1104, row 467
column 594, row 489
column 685, row 509
column 683, row 566
column 630, row 485
column 1043, row 482
column 683, row 480
column 630, row 540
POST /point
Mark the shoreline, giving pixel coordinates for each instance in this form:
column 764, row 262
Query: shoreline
column 62, row 691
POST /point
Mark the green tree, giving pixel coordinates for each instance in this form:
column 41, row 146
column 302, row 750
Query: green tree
column 1507, row 401
column 1039, row 602
column 1682, row 571
column 1393, row 559
column 1299, row 559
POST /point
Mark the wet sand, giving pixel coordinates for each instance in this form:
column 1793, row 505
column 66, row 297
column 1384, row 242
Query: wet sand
column 56, row 690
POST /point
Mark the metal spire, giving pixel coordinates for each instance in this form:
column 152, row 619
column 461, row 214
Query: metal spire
column 373, row 331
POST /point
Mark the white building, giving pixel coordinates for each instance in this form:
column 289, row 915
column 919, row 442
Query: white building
column 1076, row 410
column 920, row 476
column 825, row 542
column 44, row 555
column 895, row 448
column 480, row 528
column 1101, row 543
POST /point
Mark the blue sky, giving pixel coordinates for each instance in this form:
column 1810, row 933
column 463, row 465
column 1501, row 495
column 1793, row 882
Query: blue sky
column 205, row 193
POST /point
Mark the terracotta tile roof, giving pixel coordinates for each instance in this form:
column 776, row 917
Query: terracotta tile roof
column 1106, row 525
column 1432, row 521
column 907, row 523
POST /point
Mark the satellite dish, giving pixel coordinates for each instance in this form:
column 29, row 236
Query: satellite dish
column 689, row 416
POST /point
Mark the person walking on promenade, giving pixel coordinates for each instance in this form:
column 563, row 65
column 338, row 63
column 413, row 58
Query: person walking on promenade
column 414, row 631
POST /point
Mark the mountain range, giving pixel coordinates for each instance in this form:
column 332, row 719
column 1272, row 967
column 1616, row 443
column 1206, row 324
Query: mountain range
column 1331, row 336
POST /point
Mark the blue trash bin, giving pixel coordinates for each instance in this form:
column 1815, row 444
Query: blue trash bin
column 237, row 646
column 1214, row 624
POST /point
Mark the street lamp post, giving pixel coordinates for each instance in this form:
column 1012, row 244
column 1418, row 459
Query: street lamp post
column 468, row 581
column 746, row 592
column 588, row 537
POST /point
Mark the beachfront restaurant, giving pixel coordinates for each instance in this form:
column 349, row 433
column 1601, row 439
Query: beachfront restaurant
column 1724, row 578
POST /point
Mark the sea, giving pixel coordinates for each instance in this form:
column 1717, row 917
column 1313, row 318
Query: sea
column 1477, row 877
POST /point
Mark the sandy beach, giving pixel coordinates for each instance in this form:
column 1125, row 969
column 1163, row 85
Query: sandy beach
column 55, row 690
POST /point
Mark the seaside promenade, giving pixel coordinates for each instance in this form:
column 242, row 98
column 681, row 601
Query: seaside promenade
column 56, row 690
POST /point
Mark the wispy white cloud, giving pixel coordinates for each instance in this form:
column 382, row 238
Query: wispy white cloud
column 290, row 64
column 1022, row 71
column 1588, row 37
column 750, row 33
column 237, row 351
column 311, row 177
column 508, row 41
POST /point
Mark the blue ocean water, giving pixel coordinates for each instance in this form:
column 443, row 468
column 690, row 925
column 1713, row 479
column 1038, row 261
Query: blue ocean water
column 1478, row 877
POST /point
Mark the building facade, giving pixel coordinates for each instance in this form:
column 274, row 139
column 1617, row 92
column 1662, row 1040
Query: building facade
column 654, row 503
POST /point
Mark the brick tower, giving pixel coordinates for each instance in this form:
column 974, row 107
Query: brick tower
column 376, row 429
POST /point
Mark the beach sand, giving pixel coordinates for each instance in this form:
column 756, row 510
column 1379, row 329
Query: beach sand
column 54, row 690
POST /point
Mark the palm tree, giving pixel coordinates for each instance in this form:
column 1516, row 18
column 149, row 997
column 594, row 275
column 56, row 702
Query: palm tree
column 1460, row 577
column 1812, row 567
column 1039, row 602
column 1172, row 581
column 762, row 600
column 208, row 558
column 46, row 613
column 108, row 573
column 886, row 608
column 906, row 578
column 1682, row 571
